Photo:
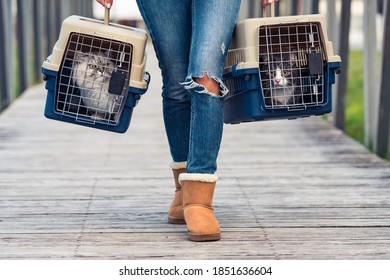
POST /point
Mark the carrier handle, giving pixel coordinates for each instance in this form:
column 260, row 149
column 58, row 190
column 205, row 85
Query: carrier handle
column 272, row 8
column 106, row 16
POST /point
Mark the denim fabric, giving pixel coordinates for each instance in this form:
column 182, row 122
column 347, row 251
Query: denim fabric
column 191, row 39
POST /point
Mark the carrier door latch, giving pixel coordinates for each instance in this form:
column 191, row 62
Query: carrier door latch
column 118, row 77
column 117, row 82
column 314, row 61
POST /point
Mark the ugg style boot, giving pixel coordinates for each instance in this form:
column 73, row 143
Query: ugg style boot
column 175, row 212
column 198, row 193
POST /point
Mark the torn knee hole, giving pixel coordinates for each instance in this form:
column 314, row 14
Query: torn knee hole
column 210, row 84
column 205, row 84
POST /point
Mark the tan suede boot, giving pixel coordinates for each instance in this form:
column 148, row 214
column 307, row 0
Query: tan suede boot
column 198, row 193
column 175, row 212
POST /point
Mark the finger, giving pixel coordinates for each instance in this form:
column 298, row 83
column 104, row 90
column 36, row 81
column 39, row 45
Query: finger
column 108, row 3
column 265, row 3
column 105, row 3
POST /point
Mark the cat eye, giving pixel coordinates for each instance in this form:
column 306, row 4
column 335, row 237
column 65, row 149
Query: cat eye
column 92, row 66
column 286, row 73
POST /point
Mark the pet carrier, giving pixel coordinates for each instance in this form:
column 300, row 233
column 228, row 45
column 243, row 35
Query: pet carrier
column 95, row 74
column 279, row 68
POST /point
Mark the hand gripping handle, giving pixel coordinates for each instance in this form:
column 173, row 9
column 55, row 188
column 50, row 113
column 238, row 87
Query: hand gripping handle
column 272, row 8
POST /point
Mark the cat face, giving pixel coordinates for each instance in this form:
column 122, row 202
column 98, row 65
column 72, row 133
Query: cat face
column 91, row 70
column 279, row 69
column 279, row 77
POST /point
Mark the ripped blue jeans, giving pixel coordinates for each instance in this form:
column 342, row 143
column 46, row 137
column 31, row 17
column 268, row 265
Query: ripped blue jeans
column 191, row 39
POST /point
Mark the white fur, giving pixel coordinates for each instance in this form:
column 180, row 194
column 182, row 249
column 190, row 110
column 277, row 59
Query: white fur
column 178, row 165
column 206, row 178
column 93, row 83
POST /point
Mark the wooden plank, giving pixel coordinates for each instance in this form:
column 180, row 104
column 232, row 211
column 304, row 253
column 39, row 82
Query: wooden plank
column 323, row 243
column 383, row 137
column 38, row 38
column 340, row 100
column 23, row 35
column 371, row 89
column 6, row 54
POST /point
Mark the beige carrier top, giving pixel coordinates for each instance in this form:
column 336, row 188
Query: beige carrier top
column 85, row 34
column 257, row 36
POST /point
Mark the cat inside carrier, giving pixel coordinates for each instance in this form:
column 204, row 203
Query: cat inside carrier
column 291, row 65
column 279, row 68
column 96, row 74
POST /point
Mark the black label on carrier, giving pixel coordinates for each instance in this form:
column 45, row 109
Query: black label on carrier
column 117, row 82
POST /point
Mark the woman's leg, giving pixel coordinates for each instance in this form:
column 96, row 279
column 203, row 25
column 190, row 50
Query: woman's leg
column 212, row 26
column 169, row 24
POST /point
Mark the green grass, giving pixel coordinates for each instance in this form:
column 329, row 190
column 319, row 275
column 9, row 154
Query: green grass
column 354, row 115
column 34, row 77
column 16, row 84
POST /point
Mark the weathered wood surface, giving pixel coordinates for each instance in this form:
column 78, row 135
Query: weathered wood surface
column 287, row 190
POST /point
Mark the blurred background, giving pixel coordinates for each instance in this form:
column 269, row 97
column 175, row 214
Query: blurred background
column 29, row 29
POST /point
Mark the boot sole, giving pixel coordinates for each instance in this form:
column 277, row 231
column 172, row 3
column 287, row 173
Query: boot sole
column 204, row 237
column 176, row 221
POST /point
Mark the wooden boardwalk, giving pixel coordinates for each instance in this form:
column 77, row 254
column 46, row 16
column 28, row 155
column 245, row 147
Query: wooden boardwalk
column 287, row 190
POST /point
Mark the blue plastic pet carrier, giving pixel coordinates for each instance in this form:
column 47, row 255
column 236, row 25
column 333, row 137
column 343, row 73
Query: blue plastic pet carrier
column 279, row 68
column 96, row 74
